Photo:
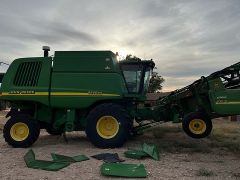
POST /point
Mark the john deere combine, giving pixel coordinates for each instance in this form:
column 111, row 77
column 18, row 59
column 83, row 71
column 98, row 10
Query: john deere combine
column 91, row 91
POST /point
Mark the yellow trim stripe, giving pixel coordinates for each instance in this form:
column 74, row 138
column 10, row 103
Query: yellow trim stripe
column 24, row 94
column 80, row 94
column 57, row 94
column 231, row 102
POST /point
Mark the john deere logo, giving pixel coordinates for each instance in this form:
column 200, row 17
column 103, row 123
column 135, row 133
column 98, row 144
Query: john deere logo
column 94, row 92
column 22, row 92
column 107, row 68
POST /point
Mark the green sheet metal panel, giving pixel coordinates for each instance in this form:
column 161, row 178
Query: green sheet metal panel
column 225, row 102
column 123, row 170
column 48, row 165
column 80, row 90
column 108, row 157
column 151, row 150
column 135, row 154
column 80, row 158
column 63, row 158
column 81, row 78
column 85, row 61
column 24, row 88
column 31, row 162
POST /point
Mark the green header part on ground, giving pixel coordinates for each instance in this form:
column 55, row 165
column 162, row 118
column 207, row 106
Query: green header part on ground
column 135, row 154
column 69, row 159
column 31, row 162
column 151, row 150
column 123, row 170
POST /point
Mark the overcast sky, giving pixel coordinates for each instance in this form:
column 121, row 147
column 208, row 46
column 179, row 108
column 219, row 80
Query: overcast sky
column 186, row 39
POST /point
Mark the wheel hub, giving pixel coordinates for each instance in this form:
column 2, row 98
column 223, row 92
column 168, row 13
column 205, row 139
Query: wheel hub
column 19, row 131
column 107, row 127
column 197, row 126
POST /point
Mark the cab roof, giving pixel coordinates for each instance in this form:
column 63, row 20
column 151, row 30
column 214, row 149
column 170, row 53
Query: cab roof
column 149, row 63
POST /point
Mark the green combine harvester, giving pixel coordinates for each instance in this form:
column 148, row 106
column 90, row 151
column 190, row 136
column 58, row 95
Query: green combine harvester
column 93, row 92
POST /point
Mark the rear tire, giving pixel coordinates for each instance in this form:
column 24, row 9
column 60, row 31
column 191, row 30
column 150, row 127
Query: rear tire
column 21, row 131
column 108, row 126
column 197, row 125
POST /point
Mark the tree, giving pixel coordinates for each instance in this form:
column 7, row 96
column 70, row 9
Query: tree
column 155, row 83
column 131, row 57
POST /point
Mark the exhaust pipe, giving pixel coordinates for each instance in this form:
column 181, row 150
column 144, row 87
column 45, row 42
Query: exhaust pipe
column 45, row 50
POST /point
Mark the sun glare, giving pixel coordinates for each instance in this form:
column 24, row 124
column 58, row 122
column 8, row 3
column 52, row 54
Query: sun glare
column 122, row 53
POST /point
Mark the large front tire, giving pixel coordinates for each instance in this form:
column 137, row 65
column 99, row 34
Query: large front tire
column 197, row 125
column 21, row 131
column 108, row 126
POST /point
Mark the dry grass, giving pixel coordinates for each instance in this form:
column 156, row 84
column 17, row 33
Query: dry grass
column 236, row 175
column 204, row 172
column 225, row 136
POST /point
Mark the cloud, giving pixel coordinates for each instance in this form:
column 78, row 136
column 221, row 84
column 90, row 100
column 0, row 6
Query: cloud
column 46, row 32
column 58, row 32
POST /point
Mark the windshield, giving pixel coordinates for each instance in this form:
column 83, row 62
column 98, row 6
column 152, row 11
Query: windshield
column 132, row 75
column 147, row 78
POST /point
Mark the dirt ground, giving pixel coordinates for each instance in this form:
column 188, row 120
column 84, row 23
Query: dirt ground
column 215, row 157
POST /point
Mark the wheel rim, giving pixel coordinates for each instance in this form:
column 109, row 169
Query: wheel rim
column 19, row 131
column 107, row 127
column 197, row 126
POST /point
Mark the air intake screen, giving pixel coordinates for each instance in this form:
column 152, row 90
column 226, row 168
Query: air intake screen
column 28, row 74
